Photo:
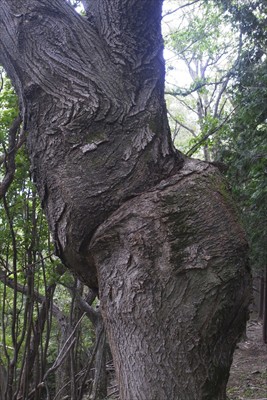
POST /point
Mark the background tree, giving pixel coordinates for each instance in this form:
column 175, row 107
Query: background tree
column 204, row 47
column 91, row 93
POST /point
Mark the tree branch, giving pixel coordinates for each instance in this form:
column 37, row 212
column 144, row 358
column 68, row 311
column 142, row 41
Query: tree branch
column 85, row 306
column 195, row 87
column 182, row 125
column 36, row 295
column 60, row 358
column 9, row 158
column 202, row 140
column 218, row 100
column 179, row 8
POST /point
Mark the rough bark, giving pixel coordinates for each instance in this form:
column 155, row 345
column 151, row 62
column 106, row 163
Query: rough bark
column 167, row 252
column 174, row 285
column 91, row 94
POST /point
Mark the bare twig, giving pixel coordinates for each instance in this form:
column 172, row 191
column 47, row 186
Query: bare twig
column 182, row 125
column 24, row 290
column 90, row 363
column 85, row 305
column 195, row 87
column 60, row 358
column 64, row 351
column 179, row 8
column 210, row 133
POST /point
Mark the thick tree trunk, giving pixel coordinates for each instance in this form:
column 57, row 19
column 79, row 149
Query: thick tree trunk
column 92, row 97
column 174, row 286
column 167, row 253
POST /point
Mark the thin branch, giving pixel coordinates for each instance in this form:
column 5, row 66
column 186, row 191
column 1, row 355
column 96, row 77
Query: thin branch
column 2, row 81
column 36, row 295
column 21, row 140
column 223, row 88
column 179, row 8
column 181, row 52
column 186, row 105
column 90, row 363
column 196, row 146
column 60, row 358
column 85, row 371
column 182, row 125
column 176, row 131
column 85, row 305
column 194, row 88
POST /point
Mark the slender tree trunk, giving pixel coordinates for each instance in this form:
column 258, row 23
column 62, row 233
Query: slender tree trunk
column 264, row 317
column 261, row 296
column 99, row 389
column 156, row 233
column 31, row 366
column 3, row 379
column 63, row 374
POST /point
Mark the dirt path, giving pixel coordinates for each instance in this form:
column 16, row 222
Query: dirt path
column 248, row 377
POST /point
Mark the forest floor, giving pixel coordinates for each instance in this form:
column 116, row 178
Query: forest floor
column 248, row 376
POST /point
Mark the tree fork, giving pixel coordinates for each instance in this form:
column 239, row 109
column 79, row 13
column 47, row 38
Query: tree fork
column 167, row 253
column 92, row 98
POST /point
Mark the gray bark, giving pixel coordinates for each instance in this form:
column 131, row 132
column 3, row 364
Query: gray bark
column 3, row 380
column 167, row 253
column 91, row 94
column 174, row 284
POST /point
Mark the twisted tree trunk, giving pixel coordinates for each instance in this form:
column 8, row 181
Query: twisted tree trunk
column 156, row 233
